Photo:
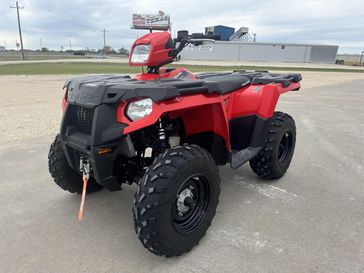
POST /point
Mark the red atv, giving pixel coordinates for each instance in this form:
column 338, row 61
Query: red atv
column 167, row 130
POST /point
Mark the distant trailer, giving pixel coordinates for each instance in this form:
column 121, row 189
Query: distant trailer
column 262, row 52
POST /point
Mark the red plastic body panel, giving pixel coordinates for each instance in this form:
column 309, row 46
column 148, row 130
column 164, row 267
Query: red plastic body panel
column 258, row 100
column 159, row 54
column 206, row 112
column 200, row 113
column 64, row 100
column 212, row 112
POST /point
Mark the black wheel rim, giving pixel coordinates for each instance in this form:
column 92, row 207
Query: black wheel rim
column 285, row 147
column 195, row 192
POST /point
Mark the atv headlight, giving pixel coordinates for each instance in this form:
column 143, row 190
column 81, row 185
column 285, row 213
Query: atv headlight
column 140, row 54
column 139, row 109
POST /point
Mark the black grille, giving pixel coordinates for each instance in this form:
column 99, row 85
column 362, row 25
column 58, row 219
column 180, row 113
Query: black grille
column 82, row 118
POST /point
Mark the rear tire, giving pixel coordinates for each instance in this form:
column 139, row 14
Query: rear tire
column 274, row 159
column 176, row 200
column 64, row 176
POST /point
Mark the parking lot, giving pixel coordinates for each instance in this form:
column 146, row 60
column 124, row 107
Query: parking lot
column 311, row 220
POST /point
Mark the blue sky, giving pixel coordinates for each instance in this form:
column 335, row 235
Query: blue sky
column 56, row 22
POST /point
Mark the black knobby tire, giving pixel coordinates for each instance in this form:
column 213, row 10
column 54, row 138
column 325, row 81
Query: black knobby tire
column 274, row 159
column 64, row 176
column 156, row 220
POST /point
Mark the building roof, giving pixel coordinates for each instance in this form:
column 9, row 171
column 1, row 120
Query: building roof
column 273, row 43
column 221, row 26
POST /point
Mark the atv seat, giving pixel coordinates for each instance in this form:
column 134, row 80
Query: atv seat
column 256, row 77
column 227, row 83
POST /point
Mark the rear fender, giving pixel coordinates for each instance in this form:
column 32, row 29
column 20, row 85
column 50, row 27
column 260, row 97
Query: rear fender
column 250, row 111
column 258, row 100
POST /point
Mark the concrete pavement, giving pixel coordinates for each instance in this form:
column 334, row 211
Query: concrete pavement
column 311, row 220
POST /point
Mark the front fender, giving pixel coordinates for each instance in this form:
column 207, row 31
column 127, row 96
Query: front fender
column 199, row 112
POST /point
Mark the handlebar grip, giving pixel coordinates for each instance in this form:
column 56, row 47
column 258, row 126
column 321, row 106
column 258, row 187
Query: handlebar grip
column 198, row 36
column 202, row 36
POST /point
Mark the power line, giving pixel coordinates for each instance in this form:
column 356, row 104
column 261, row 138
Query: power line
column 6, row 2
column 61, row 17
column 21, row 37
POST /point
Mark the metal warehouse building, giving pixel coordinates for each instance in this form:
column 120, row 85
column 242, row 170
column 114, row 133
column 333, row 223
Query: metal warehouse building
column 265, row 52
column 223, row 31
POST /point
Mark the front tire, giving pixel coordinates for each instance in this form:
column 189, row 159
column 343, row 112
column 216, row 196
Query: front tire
column 274, row 159
column 64, row 176
column 176, row 200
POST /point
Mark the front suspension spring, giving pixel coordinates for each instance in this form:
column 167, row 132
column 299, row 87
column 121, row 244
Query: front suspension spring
column 163, row 138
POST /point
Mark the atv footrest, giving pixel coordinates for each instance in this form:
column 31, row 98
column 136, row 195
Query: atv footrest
column 238, row 158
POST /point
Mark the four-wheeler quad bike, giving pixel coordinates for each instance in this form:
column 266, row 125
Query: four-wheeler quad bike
column 167, row 130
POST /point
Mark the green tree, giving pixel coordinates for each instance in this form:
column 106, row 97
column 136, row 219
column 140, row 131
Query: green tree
column 123, row 51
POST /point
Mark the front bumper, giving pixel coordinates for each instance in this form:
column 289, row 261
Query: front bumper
column 104, row 131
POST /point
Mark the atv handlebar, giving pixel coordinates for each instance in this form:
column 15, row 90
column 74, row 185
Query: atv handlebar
column 200, row 41
column 203, row 36
column 181, row 38
column 195, row 39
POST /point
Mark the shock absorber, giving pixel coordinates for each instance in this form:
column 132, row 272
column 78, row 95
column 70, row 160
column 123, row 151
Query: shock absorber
column 163, row 138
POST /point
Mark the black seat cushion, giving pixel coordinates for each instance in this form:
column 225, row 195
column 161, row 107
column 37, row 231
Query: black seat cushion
column 227, row 83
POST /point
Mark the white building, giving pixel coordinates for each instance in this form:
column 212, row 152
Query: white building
column 264, row 52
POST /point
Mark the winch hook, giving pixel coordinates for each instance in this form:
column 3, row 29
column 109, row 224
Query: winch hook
column 85, row 168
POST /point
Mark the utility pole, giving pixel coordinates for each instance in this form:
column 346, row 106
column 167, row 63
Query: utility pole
column 254, row 39
column 6, row 47
column 21, row 38
column 70, row 45
column 361, row 58
column 104, row 31
column 41, row 44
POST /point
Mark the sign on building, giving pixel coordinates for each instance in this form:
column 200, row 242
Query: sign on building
column 158, row 21
column 206, row 47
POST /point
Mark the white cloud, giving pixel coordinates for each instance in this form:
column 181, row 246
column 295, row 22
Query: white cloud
column 313, row 21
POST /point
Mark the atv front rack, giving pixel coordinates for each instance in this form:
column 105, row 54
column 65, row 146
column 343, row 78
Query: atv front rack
column 111, row 89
